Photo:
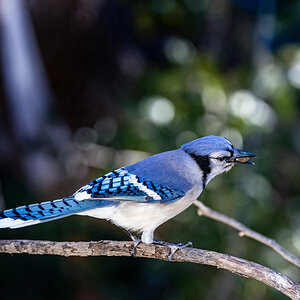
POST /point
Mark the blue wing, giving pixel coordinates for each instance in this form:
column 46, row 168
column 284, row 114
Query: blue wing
column 108, row 190
column 122, row 185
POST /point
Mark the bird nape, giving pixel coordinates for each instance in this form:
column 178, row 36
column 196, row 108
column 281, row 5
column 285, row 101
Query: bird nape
column 142, row 196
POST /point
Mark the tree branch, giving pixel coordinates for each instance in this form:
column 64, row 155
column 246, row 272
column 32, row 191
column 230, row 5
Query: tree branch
column 233, row 264
column 203, row 210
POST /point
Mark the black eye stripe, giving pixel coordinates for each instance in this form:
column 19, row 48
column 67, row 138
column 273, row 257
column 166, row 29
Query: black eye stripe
column 224, row 157
column 220, row 158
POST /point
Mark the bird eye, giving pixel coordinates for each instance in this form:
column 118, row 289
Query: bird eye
column 222, row 158
column 222, row 155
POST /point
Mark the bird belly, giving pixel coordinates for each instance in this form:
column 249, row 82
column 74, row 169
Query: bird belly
column 139, row 217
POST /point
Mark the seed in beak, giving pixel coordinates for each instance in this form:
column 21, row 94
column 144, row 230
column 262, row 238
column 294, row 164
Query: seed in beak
column 242, row 159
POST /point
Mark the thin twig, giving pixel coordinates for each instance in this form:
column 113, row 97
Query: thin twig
column 245, row 231
column 233, row 264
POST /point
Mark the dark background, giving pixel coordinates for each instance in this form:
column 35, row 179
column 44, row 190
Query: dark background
column 92, row 85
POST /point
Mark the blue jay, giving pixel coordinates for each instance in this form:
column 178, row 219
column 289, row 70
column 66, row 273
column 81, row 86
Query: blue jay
column 142, row 196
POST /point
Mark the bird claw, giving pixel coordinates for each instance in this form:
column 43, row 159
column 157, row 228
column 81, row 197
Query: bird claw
column 173, row 247
column 135, row 243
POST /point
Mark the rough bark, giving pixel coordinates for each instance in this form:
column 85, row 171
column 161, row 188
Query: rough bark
column 203, row 210
column 233, row 264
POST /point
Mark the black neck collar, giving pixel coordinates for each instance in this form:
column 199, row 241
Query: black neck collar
column 203, row 162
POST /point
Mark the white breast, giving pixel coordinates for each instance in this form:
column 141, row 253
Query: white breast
column 139, row 217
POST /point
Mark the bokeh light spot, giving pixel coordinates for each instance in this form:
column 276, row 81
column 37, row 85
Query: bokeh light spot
column 214, row 99
column 251, row 109
column 179, row 51
column 268, row 80
column 234, row 136
column 294, row 75
column 160, row 110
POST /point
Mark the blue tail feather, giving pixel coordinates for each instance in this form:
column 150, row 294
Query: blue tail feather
column 47, row 211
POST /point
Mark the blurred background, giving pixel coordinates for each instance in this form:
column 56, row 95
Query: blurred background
column 87, row 86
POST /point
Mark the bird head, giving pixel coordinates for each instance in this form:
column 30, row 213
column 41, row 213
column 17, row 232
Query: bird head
column 215, row 155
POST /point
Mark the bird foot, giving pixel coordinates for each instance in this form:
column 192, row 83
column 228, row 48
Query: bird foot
column 173, row 247
column 136, row 242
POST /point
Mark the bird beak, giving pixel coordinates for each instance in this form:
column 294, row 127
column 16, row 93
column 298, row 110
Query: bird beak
column 242, row 157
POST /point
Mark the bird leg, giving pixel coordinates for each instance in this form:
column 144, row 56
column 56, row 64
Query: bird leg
column 136, row 242
column 173, row 247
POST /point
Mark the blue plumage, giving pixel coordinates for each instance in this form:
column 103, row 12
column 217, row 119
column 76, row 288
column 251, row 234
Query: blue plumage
column 104, row 191
column 50, row 210
column 120, row 183
column 142, row 196
column 208, row 145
